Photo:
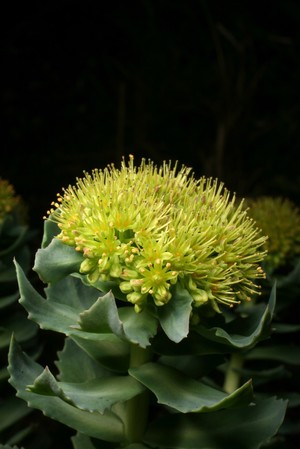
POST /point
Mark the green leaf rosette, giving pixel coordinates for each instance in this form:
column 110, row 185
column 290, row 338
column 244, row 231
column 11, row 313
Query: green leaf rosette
column 149, row 274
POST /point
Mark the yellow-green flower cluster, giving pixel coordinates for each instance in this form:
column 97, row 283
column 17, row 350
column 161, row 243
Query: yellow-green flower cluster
column 279, row 219
column 149, row 227
column 8, row 198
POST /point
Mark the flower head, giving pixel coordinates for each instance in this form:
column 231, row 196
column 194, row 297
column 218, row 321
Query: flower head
column 8, row 198
column 279, row 219
column 150, row 227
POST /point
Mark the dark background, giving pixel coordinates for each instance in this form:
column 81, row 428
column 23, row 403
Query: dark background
column 214, row 84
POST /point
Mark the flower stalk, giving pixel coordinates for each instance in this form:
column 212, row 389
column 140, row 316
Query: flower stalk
column 136, row 409
column 233, row 372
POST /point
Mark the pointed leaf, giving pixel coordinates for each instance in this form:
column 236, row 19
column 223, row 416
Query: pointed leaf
column 46, row 384
column 176, row 390
column 101, row 394
column 139, row 327
column 49, row 314
column 174, row 317
column 242, row 427
column 65, row 301
column 93, row 395
column 60, row 313
column 50, row 231
column 76, row 365
column 23, row 371
column 102, row 317
column 244, row 332
column 56, row 261
column 107, row 349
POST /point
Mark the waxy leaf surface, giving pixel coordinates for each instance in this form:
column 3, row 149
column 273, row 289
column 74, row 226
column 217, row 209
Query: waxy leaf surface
column 242, row 427
column 60, row 312
column 243, row 332
column 182, row 393
column 93, row 395
column 23, row 372
column 56, row 261
column 174, row 317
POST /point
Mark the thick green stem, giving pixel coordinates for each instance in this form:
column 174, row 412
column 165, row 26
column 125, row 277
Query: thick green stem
column 233, row 376
column 137, row 408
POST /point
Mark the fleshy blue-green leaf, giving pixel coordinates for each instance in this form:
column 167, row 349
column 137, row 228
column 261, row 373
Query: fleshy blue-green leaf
column 75, row 365
column 101, row 394
column 50, row 231
column 76, row 310
column 56, row 261
column 46, row 384
column 102, row 317
column 124, row 322
column 245, row 331
column 23, row 372
column 139, row 327
column 95, row 395
column 174, row 317
column 60, row 312
column 242, row 427
column 108, row 349
column 180, row 392
column 68, row 298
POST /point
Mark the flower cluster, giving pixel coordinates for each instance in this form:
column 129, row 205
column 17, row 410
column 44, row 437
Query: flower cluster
column 279, row 219
column 150, row 227
column 8, row 198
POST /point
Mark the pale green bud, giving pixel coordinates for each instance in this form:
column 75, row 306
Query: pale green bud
column 199, row 296
column 87, row 265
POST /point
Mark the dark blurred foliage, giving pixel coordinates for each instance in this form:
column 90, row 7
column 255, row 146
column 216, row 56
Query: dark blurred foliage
column 214, row 84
